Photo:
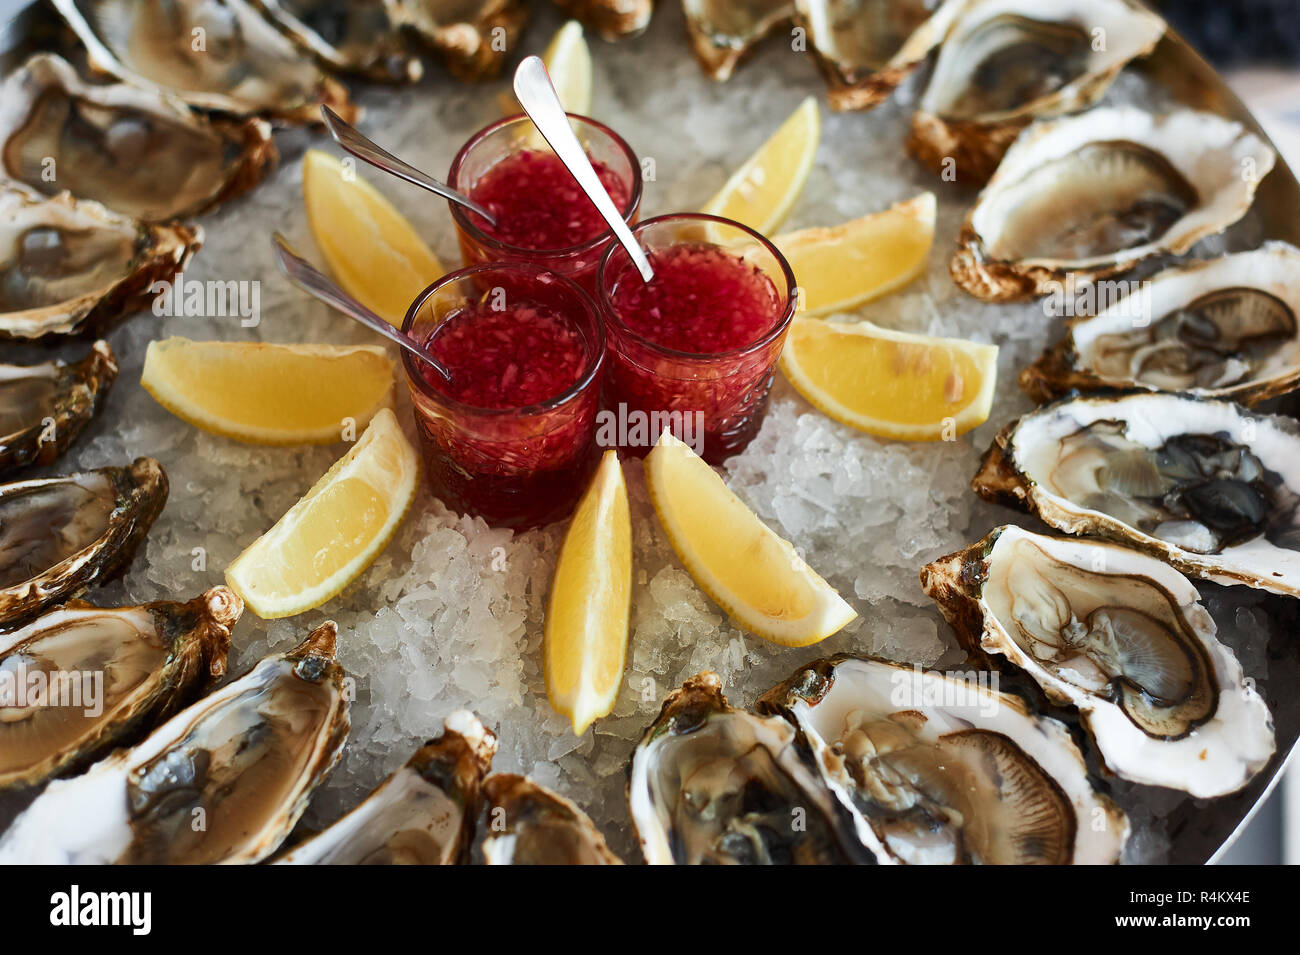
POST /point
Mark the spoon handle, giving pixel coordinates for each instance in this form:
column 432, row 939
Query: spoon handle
column 537, row 95
column 302, row 274
column 354, row 141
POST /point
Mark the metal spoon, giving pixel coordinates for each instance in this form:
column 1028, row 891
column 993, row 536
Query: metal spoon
column 536, row 94
column 302, row 274
column 352, row 140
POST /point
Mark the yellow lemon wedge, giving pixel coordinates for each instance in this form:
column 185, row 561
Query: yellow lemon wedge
column 264, row 393
column 370, row 248
column 761, row 193
column 891, row 384
column 842, row 267
column 749, row 571
column 333, row 533
column 590, row 603
column 568, row 60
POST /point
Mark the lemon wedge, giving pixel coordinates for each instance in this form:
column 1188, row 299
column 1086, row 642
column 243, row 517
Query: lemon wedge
column 590, row 603
column 370, row 248
column 761, row 192
column 891, row 384
column 269, row 394
column 842, row 267
column 330, row 536
column 754, row 575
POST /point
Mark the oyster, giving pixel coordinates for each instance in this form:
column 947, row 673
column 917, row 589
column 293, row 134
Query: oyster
column 940, row 771
column 865, row 48
column 711, row 784
column 1224, row 328
column 1122, row 637
column 423, row 814
column 723, row 32
column 223, row 781
column 44, row 407
column 473, row 37
column 1006, row 63
column 60, row 535
column 530, row 825
column 354, row 36
column 214, row 54
column 1204, row 484
column 610, row 18
column 107, row 674
column 1092, row 195
column 142, row 154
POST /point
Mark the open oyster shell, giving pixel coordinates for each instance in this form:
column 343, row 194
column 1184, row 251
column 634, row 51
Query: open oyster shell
column 423, row 814
column 1122, row 637
column 214, row 54
column 1092, row 195
column 865, row 48
column 724, row 32
column 1224, row 328
column 527, row 824
column 610, row 18
column 151, row 660
column 43, row 408
column 142, row 154
column 71, row 267
column 60, row 535
column 1207, row 485
column 223, row 781
column 353, row 36
column 473, row 37
column 711, row 784
column 1006, row 63
column 937, row 770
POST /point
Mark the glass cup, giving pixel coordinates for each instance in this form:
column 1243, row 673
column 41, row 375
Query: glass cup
column 508, row 136
column 716, row 400
column 515, row 467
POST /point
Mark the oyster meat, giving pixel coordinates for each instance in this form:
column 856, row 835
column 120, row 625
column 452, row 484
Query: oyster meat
column 423, row 814
column 142, row 154
column 713, row 785
column 82, row 679
column 865, row 48
column 214, row 54
column 938, row 770
column 223, row 781
column 1121, row 636
column 1089, row 196
column 60, row 535
column 1006, row 63
column 1223, row 328
column 527, row 824
column 610, row 18
column 723, row 32
column 353, row 36
column 473, row 37
column 43, row 408
column 1206, row 485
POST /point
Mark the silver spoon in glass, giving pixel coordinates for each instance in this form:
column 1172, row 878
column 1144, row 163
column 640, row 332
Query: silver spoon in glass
column 354, row 142
column 302, row 274
column 536, row 94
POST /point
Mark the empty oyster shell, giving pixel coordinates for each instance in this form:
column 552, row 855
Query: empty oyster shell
column 124, row 670
column 142, row 154
column 865, row 48
column 1225, row 328
column 213, row 54
column 223, row 781
column 940, row 771
column 1122, row 637
column 711, row 784
column 527, row 824
column 353, row 36
column 1092, row 195
column 1008, row 62
column 1206, row 485
column 43, row 408
column 423, row 814
column 473, row 37
column 610, row 18
column 60, row 535
column 723, row 32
